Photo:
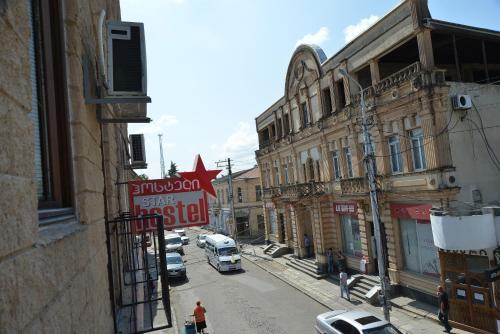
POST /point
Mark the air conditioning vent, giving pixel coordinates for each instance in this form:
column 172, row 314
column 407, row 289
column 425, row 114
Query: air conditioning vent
column 126, row 59
column 137, row 151
column 461, row 102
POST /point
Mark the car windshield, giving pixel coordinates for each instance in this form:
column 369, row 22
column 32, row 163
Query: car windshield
column 386, row 329
column 175, row 240
column 202, row 237
column 174, row 260
column 227, row 251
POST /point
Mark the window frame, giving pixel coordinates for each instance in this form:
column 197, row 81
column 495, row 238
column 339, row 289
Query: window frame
column 348, row 162
column 417, row 149
column 56, row 169
column 337, row 172
column 305, row 115
column 393, row 141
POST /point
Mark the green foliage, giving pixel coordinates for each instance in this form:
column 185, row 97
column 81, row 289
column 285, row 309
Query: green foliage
column 173, row 169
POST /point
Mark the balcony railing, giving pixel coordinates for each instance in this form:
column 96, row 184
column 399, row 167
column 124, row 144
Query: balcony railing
column 368, row 93
column 302, row 190
column 405, row 74
column 354, row 186
column 269, row 193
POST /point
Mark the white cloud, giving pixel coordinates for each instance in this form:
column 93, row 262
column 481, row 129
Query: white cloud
column 240, row 146
column 317, row 38
column 159, row 125
column 353, row 30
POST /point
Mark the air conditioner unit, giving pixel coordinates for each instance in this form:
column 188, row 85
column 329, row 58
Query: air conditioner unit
column 461, row 102
column 137, row 151
column 126, row 59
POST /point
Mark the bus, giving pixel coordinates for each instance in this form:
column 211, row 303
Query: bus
column 222, row 252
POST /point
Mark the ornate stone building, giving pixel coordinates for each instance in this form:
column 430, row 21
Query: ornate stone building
column 413, row 69
column 61, row 169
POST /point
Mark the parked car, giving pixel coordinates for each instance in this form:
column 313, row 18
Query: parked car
column 175, row 266
column 174, row 243
column 200, row 240
column 179, row 231
column 352, row 322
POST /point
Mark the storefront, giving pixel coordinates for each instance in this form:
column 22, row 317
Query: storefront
column 420, row 255
column 350, row 229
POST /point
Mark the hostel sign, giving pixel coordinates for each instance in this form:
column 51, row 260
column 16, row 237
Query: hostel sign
column 182, row 201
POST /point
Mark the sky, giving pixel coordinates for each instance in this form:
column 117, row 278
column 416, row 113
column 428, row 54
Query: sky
column 215, row 65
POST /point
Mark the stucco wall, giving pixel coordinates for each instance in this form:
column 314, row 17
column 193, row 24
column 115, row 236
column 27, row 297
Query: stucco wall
column 474, row 169
column 54, row 279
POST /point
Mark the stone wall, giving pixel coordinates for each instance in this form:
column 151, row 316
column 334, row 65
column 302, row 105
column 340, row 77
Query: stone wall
column 54, row 277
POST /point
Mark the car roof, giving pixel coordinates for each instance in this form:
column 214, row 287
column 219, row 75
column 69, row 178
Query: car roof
column 358, row 318
column 179, row 229
column 172, row 235
column 173, row 254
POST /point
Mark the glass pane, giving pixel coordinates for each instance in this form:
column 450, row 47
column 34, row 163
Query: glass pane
column 410, row 244
column 427, row 251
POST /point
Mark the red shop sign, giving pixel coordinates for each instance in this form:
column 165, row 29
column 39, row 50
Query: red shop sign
column 345, row 208
column 411, row 211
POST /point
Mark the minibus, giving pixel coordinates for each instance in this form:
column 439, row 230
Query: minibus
column 222, row 252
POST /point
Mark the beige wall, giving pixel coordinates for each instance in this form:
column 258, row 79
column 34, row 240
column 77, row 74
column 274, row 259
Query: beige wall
column 54, row 278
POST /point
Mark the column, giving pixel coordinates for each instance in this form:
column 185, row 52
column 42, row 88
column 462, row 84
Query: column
column 405, row 147
column 425, row 51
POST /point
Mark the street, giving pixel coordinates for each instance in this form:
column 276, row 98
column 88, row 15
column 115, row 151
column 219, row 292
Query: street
column 250, row 301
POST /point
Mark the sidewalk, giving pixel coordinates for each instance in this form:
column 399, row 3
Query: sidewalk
column 407, row 314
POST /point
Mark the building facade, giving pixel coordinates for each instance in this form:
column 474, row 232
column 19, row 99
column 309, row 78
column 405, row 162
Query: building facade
column 61, row 170
column 247, row 196
column 412, row 69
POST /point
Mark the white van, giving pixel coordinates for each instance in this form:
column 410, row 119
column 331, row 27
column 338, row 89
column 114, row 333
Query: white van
column 222, row 252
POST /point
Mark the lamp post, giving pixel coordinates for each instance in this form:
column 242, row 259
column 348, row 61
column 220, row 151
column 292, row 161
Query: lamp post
column 369, row 162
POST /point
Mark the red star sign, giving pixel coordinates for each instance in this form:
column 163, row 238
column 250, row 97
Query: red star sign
column 202, row 175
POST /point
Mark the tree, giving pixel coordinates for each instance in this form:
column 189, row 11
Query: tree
column 143, row 177
column 173, row 169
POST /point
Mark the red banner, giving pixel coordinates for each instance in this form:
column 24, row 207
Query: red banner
column 420, row 212
column 345, row 208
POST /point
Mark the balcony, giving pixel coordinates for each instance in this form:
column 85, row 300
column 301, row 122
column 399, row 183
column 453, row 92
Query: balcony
column 270, row 193
column 404, row 75
column 302, row 190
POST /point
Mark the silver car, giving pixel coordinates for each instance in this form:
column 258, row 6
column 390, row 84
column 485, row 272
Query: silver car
column 175, row 266
column 174, row 243
column 352, row 322
column 200, row 240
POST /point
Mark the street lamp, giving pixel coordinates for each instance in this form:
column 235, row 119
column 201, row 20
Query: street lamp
column 370, row 171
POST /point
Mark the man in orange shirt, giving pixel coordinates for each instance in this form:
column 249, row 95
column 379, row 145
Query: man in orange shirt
column 199, row 317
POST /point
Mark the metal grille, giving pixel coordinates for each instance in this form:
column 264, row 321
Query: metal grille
column 138, row 274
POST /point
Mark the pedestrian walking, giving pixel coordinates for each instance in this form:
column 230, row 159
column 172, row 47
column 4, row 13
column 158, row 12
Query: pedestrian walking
column 329, row 258
column 344, row 288
column 307, row 244
column 444, row 308
column 199, row 317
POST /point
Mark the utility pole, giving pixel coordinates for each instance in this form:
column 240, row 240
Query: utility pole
column 162, row 162
column 370, row 171
column 227, row 164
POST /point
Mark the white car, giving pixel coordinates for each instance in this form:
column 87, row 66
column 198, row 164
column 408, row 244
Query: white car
column 174, row 243
column 182, row 233
column 352, row 322
column 200, row 240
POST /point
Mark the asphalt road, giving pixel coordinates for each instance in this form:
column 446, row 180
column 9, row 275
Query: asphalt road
column 250, row 301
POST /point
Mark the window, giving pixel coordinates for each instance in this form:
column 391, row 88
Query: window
column 49, row 105
column 327, row 102
column 336, row 165
column 240, row 195
column 276, row 176
column 395, row 155
column 305, row 115
column 318, row 170
column 285, row 175
column 258, row 193
column 417, row 149
column 279, row 129
column 260, row 223
column 420, row 254
column 286, row 124
column 340, row 94
column 348, row 159
column 351, row 236
column 310, row 165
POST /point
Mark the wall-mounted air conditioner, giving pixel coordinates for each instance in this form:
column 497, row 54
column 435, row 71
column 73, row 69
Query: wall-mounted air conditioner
column 126, row 59
column 137, row 151
column 461, row 102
